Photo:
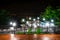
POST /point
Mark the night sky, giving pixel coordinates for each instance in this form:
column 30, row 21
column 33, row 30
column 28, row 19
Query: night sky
column 27, row 7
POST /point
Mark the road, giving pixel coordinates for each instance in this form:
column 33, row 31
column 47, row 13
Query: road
column 30, row 37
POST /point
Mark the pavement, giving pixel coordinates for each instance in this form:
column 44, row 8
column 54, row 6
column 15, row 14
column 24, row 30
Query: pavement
column 30, row 37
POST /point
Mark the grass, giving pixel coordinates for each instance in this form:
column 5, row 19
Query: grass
column 18, row 32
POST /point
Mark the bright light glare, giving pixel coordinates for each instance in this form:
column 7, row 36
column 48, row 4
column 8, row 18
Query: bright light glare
column 11, row 23
column 45, row 38
column 4, row 30
column 21, row 25
column 12, row 37
column 52, row 24
column 11, row 28
column 43, row 19
column 47, row 24
column 14, row 24
column 27, row 22
column 52, row 20
column 35, row 35
column 30, row 18
column 34, row 24
column 38, row 24
column 23, row 20
column 38, row 18
column 34, row 19
column 29, row 25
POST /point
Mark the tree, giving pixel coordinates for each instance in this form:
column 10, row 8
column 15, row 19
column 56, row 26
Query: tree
column 4, row 17
column 51, row 13
column 58, row 15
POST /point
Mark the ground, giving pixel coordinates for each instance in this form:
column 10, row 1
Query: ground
column 30, row 37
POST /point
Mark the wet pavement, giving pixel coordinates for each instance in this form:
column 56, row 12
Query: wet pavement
column 30, row 37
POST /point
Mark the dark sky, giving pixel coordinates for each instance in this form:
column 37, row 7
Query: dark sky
column 28, row 7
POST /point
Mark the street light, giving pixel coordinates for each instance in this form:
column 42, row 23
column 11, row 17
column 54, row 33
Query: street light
column 38, row 24
column 23, row 25
column 30, row 18
column 38, row 18
column 47, row 24
column 23, row 20
column 34, row 25
column 11, row 28
column 11, row 23
column 52, row 20
column 52, row 24
column 14, row 24
column 43, row 19
column 27, row 22
column 34, row 19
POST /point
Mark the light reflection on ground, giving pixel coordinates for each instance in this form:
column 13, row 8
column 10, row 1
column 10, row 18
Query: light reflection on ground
column 12, row 37
column 30, row 37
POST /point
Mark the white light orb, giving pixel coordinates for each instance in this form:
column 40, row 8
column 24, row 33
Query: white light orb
column 34, row 19
column 27, row 22
column 47, row 24
column 14, row 24
column 43, row 19
column 38, row 18
column 23, row 20
column 29, row 25
column 52, row 24
column 11, row 23
column 34, row 25
column 30, row 18
column 52, row 20
column 38, row 24
column 11, row 28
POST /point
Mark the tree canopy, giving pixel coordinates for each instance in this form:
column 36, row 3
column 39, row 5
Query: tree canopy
column 51, row 13
column 4, row 17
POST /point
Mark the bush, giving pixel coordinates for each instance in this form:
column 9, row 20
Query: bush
column 29, row 31
column 38, row 31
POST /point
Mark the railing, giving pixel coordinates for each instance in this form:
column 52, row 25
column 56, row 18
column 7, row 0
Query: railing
column 42, row 30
